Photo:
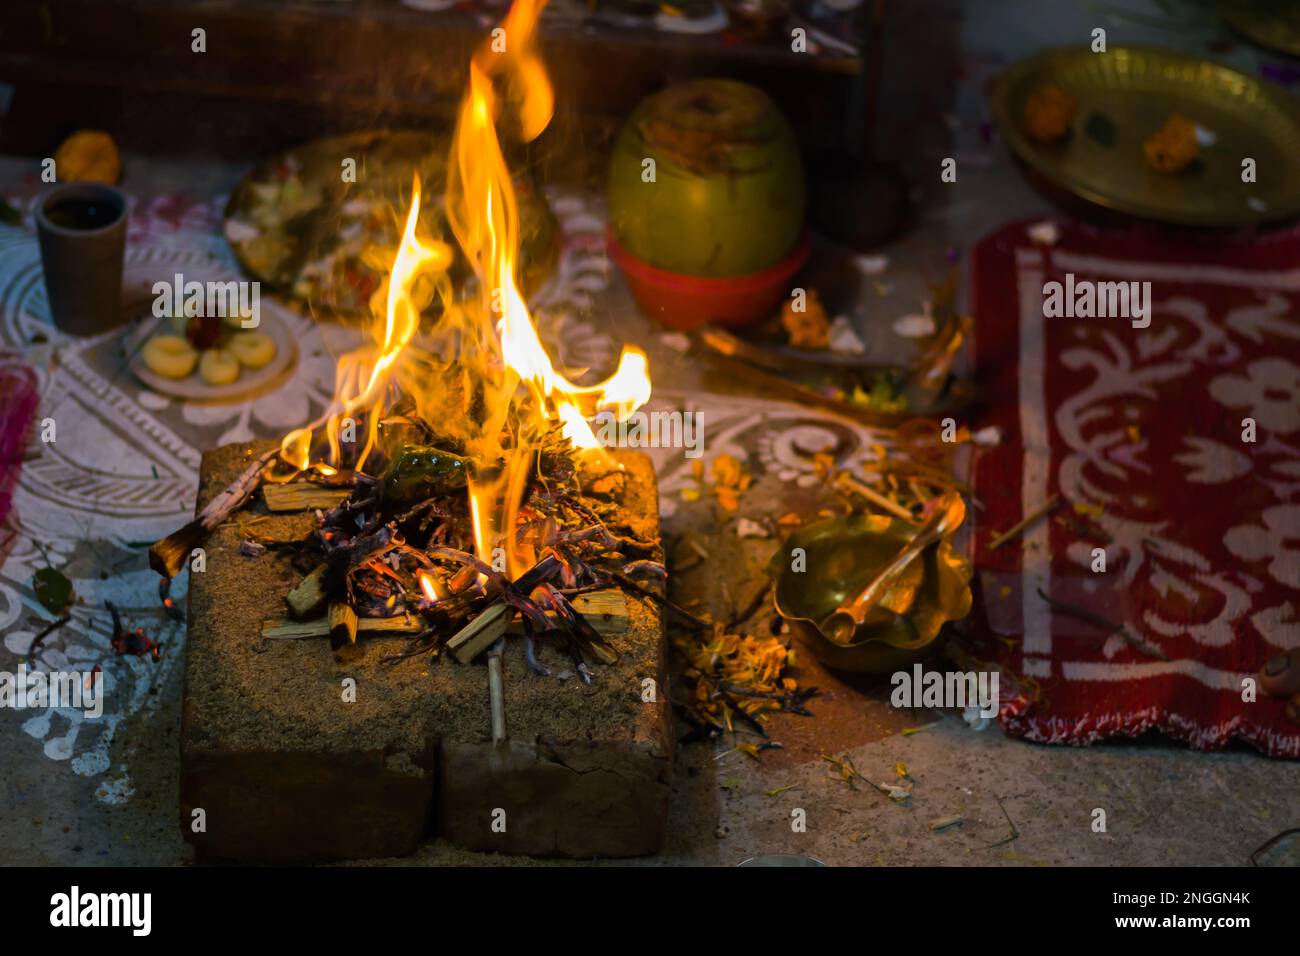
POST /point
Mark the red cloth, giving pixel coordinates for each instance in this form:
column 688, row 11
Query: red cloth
column 18, row 397
column 1142, row 430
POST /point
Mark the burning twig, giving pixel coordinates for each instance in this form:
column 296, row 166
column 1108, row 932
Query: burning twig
column 169, row 605
column 168, row 556
column 135, row 642
column 589, row 640
column 653, row 568
column 605, row 610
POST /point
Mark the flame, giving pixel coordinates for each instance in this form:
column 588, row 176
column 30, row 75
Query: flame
column 434, row 589
column 484, row 216
column 486, row 378
column 401, row 320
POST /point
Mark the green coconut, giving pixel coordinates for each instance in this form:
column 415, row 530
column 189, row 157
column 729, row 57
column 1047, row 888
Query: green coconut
column 725, row 196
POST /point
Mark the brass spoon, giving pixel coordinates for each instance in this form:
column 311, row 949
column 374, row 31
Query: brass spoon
column 841, row 624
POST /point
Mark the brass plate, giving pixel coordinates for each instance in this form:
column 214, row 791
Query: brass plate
column 1273, row 24
column 1136, row 89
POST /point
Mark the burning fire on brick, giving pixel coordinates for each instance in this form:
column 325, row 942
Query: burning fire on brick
column 456, row 482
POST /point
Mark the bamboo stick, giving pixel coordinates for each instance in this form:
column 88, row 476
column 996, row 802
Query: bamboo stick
column 308, row 596
column 875, row 497
column 284, row 629
column 479, row 634
column 496, row 691
column 342, row 623
column 302, row 496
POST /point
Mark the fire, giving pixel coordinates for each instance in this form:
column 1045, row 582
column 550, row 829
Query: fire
column 483, row 354
column 401, row 320
column 434, row 589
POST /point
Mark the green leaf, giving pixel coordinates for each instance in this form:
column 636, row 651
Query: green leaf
column 53, row 589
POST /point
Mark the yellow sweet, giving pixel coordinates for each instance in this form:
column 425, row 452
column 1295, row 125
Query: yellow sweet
column 170, row 356
column 88, row 155
column 218, row 367
column 252, row 349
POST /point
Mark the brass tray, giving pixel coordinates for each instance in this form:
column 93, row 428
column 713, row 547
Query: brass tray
column 306, row 242
column 1134, row 90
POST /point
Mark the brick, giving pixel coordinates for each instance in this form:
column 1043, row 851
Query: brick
column 287, row 772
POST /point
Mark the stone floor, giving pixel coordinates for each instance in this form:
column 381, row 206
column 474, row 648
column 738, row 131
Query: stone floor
column 1019, row 803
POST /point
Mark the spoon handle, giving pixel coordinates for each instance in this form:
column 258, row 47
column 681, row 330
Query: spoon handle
column 946, row 518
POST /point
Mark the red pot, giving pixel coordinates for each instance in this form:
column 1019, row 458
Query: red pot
column 687, row 302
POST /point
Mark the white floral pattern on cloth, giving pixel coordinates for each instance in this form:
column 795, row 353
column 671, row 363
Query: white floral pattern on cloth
column 1194, row 514
column 1276, row 541
column 1269, row 392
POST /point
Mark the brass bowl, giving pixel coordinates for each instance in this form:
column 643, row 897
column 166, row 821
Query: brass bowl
column 841, row 555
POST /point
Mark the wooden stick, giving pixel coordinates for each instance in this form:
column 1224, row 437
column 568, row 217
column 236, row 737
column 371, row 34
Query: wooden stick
column 302, row 496
column 342, row 623
column 284, row 629
column 496, row 691
column 1000, row 539
column 309, row 595
column 875, row 497
column 479, row 634
column 169, row 555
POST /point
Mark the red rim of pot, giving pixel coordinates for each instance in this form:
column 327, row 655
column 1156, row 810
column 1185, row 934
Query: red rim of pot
column 703, row 285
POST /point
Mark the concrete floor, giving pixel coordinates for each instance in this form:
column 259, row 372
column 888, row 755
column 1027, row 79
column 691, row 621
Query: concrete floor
column 1164, row 805
column 1020, row 804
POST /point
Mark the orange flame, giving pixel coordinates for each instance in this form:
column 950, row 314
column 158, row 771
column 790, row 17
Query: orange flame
column 401, row 320
column 497, row 363
column 484, row 215
column 434, row 589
